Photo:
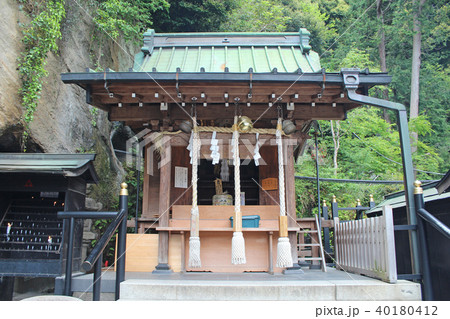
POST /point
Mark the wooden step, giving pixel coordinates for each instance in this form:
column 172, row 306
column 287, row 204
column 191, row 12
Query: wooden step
column 307, row 231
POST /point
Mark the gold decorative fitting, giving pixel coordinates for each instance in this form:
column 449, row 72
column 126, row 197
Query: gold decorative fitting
column 358, row 202
column 124, row 190
column 334, row 199
column 371, row 198
column 324, row 203
column 244, row 124
column 418, row 187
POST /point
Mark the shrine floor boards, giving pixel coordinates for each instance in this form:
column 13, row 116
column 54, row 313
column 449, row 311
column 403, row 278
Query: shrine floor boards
column 312, row 285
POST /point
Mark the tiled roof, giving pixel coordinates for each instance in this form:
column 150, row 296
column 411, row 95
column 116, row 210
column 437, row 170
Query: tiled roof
column 227, row 52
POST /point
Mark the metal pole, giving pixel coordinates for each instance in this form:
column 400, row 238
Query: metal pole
column 326, row 230
column 97, row 278
column 405, row 146
column 138, row 186
column 121, row 240
column 68, row 278
column 334, row 208
column 425, row 262
column 317, row 173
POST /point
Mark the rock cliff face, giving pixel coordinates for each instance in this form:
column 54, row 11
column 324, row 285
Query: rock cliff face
column 62, row 122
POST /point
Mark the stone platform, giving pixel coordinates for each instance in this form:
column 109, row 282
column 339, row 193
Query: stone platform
column 334, row 285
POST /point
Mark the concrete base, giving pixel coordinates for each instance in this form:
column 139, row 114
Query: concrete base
column 295, row 269
column 162, row 269
column 313, row 285
column 51, row 298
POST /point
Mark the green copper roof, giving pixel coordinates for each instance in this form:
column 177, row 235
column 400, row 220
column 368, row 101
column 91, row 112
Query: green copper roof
column 227, row 52
column 69, row 165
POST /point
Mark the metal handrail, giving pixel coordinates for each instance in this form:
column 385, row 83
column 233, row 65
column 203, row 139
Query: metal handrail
column 103, row 241
column 436, row 223
column 94, row 260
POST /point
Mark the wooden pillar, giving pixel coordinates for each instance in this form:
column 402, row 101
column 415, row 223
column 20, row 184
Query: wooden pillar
column 164, row 207
column 291, row 209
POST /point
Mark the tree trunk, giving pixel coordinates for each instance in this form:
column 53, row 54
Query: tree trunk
column 336, row 142
column 415, row 68
column 382, row 53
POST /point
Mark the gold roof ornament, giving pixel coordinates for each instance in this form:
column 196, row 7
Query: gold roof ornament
column 334, row 199
column 418, row 187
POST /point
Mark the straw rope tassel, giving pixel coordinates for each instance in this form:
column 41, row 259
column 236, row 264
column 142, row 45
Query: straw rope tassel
column 284, row 255
column 194, row 239
column 237, row 243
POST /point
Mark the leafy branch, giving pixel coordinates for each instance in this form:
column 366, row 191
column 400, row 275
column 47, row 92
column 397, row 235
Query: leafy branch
column 40, row 37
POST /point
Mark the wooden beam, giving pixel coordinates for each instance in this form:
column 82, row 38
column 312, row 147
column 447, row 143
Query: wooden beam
column 213, row 112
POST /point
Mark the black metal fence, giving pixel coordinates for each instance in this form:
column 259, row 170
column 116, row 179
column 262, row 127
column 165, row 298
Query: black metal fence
column 94, row 260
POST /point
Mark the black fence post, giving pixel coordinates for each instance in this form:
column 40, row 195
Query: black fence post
column 96, row 290
column 121, row 239
column 326, row 230
column 371, row 202
column 359, row 212
column 423, row 248
column 69, row 260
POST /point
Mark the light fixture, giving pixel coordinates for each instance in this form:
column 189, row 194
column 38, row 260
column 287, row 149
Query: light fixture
column 111, row 95
column 288, row 127
column 141, row 104
column 333, row 105
column 270, row 104
column 119, row 105
column 164, row 106
column 313, row 104
column 296, row 96
column 248, row 104
column 273, row 95
column 133, row 95
column 205, row 104
column 225, row 95
column 157, row 95
column 290, row 106
column 227, row 104
column 342, row 95
column 244, row 124
column 183, row 104
column 202, row 95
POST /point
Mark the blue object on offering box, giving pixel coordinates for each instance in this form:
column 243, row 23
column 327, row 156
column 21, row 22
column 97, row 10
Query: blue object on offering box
column 251, row 221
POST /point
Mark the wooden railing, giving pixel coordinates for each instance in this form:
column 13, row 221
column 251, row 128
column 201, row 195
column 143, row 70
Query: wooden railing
column 367, row 246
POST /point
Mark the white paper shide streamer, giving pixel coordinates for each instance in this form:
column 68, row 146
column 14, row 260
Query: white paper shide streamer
column 215, row 155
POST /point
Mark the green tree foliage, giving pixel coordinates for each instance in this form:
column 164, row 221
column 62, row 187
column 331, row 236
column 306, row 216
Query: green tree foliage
column 128, row 18
column 193, row 15
column 257, row 16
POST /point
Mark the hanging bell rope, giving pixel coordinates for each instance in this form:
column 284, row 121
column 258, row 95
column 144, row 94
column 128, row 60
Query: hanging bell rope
column 284, row 254
column 237, row 243
column 194, row 239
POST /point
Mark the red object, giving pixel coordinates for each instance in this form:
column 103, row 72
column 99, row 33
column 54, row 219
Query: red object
column 29, row 183
column 106, row 263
